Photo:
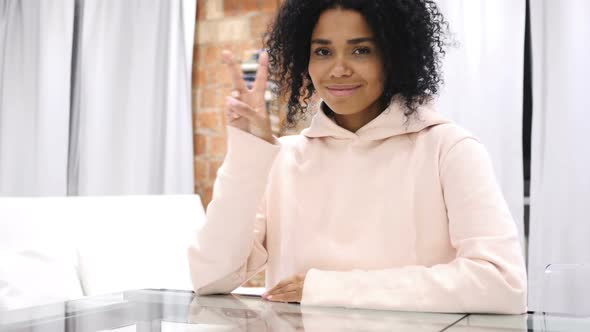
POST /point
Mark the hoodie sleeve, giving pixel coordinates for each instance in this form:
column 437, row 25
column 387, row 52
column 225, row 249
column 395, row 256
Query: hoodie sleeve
column 229, row 248
column 487, row 275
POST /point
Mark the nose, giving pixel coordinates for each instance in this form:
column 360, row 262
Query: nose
column 340, row 68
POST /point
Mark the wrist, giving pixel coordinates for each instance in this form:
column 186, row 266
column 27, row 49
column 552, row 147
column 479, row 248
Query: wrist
column 271, row 139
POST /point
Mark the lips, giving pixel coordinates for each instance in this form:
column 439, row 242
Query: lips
column 342, row 90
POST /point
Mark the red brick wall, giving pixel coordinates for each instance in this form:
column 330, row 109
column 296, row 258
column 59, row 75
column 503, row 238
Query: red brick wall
column 236, row 25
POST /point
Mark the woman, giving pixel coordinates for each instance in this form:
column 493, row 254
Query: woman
column 381, row 203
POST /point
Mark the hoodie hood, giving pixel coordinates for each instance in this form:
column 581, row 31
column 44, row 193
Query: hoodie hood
column 391, row 122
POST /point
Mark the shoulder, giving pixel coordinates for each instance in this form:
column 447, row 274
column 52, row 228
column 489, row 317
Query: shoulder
column 292, row 143
column 292, row 150
column 447, row 136
column 291, row 140
column 459, row 149
column 449, row 133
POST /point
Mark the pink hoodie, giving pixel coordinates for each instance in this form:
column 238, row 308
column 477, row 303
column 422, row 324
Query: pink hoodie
column 401, row 215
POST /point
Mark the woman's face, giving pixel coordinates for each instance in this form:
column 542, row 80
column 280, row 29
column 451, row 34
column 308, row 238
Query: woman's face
column 345, row 65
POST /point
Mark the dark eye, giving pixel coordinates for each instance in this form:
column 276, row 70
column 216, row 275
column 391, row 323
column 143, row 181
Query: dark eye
column 321, row 52
column 362, row 51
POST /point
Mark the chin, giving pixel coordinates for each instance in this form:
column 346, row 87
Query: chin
column 343, row 107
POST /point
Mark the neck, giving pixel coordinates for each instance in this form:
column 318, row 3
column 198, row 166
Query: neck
column 355, row 121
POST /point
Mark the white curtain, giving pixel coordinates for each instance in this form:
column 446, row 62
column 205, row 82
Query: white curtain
column 104, row 105
column 35, row 61
column 483, row 90
column 132, row 100
column 560, row 165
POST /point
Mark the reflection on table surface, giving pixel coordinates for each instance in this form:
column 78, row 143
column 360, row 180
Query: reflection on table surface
column 254, row 314
column 168, row 310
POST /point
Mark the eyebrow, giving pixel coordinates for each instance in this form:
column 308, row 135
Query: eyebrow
column 350, row 41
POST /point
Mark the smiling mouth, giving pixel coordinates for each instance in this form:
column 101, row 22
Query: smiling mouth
column 342, row 91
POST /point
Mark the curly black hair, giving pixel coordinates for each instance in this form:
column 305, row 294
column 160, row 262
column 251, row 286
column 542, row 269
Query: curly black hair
column 410, row 34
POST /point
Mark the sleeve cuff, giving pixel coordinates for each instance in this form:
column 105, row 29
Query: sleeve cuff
column 327, row 288
column 248, row 154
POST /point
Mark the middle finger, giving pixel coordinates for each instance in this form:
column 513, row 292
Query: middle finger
column 284, row 297
column 236, row 72
column 281, row 288
column 293, row 287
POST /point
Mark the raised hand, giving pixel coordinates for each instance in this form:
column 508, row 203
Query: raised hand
column 246, row 108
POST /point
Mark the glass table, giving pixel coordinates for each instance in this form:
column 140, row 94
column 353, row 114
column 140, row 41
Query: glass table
column 171, row 311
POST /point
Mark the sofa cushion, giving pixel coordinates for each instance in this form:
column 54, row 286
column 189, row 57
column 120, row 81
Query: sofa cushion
column 37, row 276
column 133, row 242
column 111, row 243
column 37, row 254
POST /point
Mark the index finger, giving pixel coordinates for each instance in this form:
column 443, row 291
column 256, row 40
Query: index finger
column 262, row 73
column 236, row 71
column 280, row 285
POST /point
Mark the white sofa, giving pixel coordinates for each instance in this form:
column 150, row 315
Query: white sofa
column 59, row 248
